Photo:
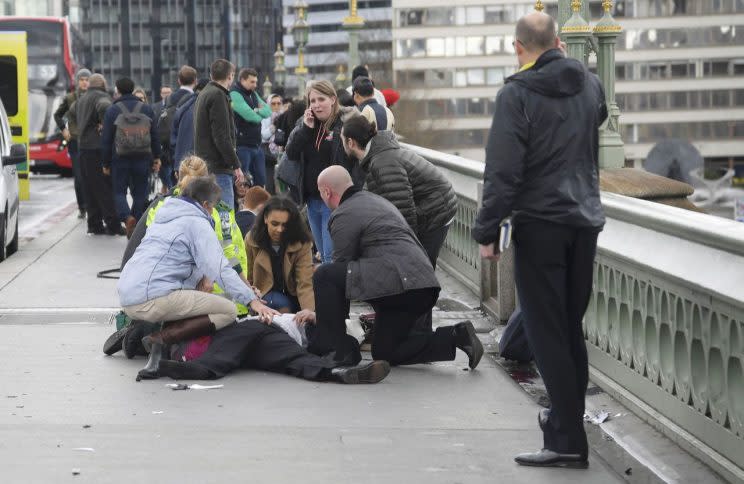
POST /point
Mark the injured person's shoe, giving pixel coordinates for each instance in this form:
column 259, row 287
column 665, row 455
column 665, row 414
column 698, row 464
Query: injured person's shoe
column 114, row 342
column 467, row 340
column 184, row 370
column 132, row 344
column 549, row 458
column 150, row 371
column 372, row 372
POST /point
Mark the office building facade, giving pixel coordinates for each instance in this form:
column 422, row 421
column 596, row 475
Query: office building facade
column 328, row 43
column 680, row 71
column 148, row 40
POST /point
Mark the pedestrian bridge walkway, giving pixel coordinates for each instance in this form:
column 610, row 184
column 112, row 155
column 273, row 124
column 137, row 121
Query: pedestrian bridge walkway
column 665, row 324
column 65, row 407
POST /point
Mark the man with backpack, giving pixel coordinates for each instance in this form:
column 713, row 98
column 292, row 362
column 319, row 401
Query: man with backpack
column 187, row 77
column 131, row 149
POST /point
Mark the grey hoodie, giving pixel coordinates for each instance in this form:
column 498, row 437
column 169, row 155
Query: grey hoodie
column 178, row 250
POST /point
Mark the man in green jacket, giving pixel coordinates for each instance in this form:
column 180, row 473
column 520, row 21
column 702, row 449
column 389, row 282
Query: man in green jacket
column 250, row 110
column 214, row 129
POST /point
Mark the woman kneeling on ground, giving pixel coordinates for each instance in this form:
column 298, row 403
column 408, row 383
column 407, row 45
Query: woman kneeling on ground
column 171, row 275
column 279, row 253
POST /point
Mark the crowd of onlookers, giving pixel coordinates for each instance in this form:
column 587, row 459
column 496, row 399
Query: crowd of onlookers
column 217, row 246
column 230, row 236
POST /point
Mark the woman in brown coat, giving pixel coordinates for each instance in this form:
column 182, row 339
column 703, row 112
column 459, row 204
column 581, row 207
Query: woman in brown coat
column 279, row 250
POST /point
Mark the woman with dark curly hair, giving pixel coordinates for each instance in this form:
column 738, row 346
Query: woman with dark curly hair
column 279, row 250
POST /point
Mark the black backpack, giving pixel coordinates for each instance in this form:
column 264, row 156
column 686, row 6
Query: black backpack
column 132, row 131
column 165, row 122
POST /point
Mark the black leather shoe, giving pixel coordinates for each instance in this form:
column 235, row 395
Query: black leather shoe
column 467, row 340
column 114, row 342
column 548, row 458
column 372, row 372
column 542, row 417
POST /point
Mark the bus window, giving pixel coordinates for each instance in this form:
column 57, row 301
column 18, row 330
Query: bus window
column 9, row 84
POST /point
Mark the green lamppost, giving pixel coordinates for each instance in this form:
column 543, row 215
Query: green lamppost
column 300, row 33
column 580, row 39
column 611, row 153
column 353, row 24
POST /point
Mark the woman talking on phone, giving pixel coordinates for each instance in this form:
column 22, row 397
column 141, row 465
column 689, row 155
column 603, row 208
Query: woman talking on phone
column 315, row 144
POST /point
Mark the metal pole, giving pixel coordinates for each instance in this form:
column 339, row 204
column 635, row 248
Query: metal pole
column 353, row 24
column 611, row 150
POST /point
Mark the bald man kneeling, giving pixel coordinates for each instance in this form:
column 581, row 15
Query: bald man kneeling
column 377, row 259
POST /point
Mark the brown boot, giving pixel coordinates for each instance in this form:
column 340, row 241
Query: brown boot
column 129, row 224
column 173, row 332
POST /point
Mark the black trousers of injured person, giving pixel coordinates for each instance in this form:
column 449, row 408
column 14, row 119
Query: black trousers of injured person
column 255, row 345
column 554, row 265
column 395, row 316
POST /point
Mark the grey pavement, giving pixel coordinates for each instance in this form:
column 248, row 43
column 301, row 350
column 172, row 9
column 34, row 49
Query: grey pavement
column 65, row 406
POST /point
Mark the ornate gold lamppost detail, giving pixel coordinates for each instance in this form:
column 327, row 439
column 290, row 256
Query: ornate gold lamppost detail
column 280, row 72
column 353, row 23
column 300, row 33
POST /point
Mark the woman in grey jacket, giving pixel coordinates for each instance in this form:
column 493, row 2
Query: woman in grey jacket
column 170, row 276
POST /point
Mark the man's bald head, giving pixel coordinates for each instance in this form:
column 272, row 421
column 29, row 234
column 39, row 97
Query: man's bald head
column 536, row 32
column 336, row 178
column 332, row 183
column 97, row 80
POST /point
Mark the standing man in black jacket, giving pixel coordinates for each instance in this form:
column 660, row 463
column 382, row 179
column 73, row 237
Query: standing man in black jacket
column 70, row 133
column 89, row 113
column 542, row 167
column 214, row 129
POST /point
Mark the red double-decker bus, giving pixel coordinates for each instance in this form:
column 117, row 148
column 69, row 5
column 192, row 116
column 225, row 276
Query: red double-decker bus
column 54, row 50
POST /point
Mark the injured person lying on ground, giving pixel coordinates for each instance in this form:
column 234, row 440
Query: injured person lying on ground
column 169, row 280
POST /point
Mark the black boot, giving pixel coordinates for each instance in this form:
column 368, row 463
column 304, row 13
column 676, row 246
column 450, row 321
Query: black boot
column 173, row 332
column 372, row 372
column 132, row 343
column 184, row 370
column 467, row 341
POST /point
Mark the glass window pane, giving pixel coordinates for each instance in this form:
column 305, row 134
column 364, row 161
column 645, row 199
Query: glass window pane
column 476, row 107
column 494, row 76
column 474, row 15
column 461, row 78
column 476, row 77
column 435, row 47
column 475, row 45
column 493, row 45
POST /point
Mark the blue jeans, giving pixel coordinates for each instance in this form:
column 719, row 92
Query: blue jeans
column 318, row 215
column 226, row 184
column 133, row 175
column 252, row 161
column 279, row 300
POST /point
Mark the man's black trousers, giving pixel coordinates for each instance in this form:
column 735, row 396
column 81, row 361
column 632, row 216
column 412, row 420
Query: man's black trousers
column 553, row 265
column 77, row 173
column 432, row 241
column 99, row 196
column 255, row 345
column 395, row 316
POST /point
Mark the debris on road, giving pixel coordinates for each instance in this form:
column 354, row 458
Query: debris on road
column 75, row 471
column 193, row 386
column 85, row 449
column 600, row 418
